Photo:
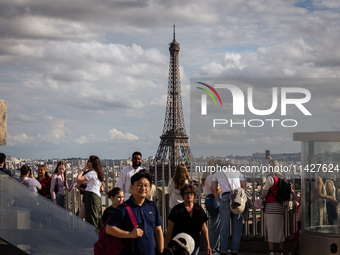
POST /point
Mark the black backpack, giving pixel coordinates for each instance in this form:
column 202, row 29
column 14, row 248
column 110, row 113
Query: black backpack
column 284, row 190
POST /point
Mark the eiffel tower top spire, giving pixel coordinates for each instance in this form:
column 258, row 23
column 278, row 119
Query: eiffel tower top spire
column 174, row 46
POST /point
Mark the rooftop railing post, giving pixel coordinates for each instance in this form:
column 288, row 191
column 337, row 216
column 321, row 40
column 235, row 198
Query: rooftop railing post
column 262, row 213
column 163, row 198
column 72, row 192
column 293, row 205
column 246, row 223
column 33, row 166
column 1, row 203
column 113, row 175
column 169, row 162
column 66, row 192
column 199, row 188
column 254, row 210
column 79, row 195
column 15, row 171
column 156, row 181
column 106, row 185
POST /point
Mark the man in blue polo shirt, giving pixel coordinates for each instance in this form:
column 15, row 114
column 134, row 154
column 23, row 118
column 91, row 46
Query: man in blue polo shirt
column 147, row 216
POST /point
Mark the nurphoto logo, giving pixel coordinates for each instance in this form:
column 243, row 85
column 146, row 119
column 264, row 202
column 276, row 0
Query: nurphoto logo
column 239, row 103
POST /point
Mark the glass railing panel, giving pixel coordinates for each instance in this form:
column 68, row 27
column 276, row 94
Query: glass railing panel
column 35, row 224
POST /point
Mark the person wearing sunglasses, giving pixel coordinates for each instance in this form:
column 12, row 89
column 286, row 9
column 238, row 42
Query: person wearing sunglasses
column 188, row 217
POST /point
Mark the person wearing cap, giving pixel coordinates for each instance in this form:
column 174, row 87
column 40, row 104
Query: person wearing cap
column 188, row 217
column 181, row 244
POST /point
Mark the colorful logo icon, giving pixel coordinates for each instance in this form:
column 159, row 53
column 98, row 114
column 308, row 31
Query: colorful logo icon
column 208, row 92
column 204, row 97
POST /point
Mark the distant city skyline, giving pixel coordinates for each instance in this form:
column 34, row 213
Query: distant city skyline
column 86, row 78
column 254, row 155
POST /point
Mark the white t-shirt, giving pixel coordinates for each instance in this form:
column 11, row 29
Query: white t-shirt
column 235, row 179
column 124, row 180
column 174, row 194
column 208, row 184
column 93, row 183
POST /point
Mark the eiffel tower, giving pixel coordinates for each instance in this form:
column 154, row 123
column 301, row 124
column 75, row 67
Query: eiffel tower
column 174, row 145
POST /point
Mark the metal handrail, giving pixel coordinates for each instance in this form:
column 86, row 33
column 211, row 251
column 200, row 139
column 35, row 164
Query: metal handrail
column 251, row 229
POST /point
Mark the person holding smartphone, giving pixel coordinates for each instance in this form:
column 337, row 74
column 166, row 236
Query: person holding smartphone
column 92, row 193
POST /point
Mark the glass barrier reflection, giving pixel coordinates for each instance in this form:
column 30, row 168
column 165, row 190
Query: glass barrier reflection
column 38, row 226
column 321, row 163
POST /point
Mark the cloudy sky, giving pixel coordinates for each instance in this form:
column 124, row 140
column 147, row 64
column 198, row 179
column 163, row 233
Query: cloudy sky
column 90, row 77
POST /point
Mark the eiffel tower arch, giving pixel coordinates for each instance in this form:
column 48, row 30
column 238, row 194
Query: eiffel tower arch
column 174, row 145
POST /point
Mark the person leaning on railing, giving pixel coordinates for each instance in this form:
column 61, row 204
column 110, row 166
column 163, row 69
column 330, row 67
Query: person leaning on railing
column 58, row 183
column 274, row 210
column 92, row 194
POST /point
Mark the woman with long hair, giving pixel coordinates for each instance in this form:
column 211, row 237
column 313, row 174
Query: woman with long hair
column 58, row 183
column 45, row 180
column 180, row 178
column 92, row 193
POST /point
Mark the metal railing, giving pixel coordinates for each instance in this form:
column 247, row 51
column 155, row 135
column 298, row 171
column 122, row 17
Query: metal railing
column 253, row 228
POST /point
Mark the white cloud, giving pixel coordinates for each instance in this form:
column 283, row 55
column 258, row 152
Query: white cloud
column 116, row 135
column 86, row 139
column 19, row 139
column 294, row 58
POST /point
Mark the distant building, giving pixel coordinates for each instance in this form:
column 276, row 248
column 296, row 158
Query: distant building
column 258, row 155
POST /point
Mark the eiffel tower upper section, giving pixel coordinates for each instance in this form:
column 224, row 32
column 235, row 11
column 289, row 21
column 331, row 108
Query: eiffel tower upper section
column 174, row 140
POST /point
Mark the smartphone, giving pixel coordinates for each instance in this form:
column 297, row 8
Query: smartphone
column 267, row 153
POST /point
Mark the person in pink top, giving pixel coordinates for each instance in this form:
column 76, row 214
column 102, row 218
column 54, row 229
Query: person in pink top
column 58, row 183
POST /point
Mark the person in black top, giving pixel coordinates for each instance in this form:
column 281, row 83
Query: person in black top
column 3, row 166
column 117, row 197
column 188, row 217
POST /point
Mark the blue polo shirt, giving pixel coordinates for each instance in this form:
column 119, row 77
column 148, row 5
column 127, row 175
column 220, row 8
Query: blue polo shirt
column 145, row 218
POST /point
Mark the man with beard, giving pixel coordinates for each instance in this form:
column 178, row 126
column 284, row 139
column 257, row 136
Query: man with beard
column 124, row 180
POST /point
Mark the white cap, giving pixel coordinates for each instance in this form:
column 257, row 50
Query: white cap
column 190, row 243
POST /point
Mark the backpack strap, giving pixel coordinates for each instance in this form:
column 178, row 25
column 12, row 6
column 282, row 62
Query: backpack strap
column 131, row 215
column 25, row 178
column 231, row 187
column 133, row 220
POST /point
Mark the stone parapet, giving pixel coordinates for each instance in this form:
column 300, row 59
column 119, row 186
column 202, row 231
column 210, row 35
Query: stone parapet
column 3, row 122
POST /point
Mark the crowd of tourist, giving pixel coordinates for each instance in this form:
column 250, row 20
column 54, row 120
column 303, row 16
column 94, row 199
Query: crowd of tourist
column 187, row 220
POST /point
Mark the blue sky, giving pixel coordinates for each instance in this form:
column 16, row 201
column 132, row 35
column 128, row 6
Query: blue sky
column 88, row 77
